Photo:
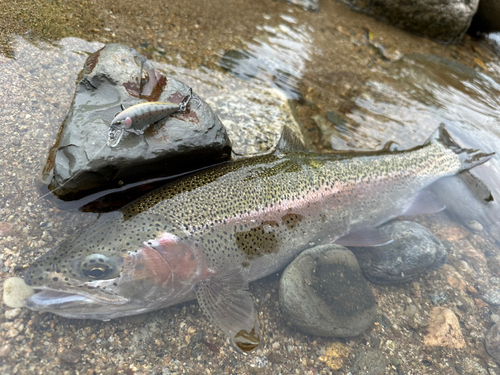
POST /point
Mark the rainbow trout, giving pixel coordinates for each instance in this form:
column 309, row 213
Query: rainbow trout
column 207, row 235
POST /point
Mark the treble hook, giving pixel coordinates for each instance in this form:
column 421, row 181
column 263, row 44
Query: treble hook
column 184, row 102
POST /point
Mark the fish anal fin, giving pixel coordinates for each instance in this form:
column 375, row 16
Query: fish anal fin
column 364, row 238
column 229, row 306
column 425, row 203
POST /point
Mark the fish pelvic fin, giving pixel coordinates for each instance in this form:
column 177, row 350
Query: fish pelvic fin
column 469, row 157
column 229, row 306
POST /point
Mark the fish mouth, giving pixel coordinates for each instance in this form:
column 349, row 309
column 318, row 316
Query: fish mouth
column 56, row 300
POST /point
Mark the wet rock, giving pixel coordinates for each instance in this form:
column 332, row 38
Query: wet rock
column 414, row 251
column 5, row 228
column 14, row 291
column 445, row 21
column 469, row 366
column 322, row 292
column 494, row 265
column 474, row 225
column 310, row 5
column 12, row 314
column 369, row 362
column 335, row 355
column 443, row 329
column 4, row 350
column 71, row 356
column 492, row 296
column 336, row 119
column 115, row 75
column 454, row 279
column 438, row 297
column 492, row 341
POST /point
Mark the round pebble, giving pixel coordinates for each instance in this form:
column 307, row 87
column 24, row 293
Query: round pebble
column 414, row 251
column 14, row 291
column 322, row 292
column 475, row 225
column 12, row 314
column 492, row 296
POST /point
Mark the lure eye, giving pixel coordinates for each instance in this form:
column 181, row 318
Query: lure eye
column 118, row 122
column 98, row 267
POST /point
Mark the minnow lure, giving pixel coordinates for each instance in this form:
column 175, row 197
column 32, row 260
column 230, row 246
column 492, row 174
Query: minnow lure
column 137, row 118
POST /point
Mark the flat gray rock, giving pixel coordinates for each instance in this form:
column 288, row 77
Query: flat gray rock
column 445, row 20
column 322, row 292
column 414, row 251
column 80, row 163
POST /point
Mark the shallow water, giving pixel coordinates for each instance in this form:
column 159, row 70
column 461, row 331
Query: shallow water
column 353, row 84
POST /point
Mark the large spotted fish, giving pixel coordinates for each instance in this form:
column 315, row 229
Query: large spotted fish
column 209, row 234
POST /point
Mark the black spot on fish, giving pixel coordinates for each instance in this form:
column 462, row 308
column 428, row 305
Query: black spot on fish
column 257, row 241
column 291, row 220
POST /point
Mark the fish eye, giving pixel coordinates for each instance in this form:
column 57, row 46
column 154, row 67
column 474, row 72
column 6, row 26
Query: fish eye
column 98, row 267
column 118, row 122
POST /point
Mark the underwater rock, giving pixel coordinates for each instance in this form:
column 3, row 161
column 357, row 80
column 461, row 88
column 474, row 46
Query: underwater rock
column 492, row 296
column 15, row 290
column 335, row 355
column 310, row 5
column 80, row 163
column 445, row 21
column 322, row 292
column 492, row 341
column 414, row 251
column 443, row 329
column 369, row 362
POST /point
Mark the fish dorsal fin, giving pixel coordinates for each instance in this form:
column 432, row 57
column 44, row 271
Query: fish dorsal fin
column 290, row 142
column 425, row 203
column 367, row 237
column 477, row 187
column 229, row 306
column 391, row 146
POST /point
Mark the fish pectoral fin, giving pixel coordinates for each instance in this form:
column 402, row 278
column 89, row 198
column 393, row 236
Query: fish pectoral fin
column 229, row 306
column 478, row 188
column 364, row 238
column 425, row 203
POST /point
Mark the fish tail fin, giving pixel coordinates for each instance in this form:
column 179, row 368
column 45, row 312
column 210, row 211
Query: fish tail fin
column 469, row 157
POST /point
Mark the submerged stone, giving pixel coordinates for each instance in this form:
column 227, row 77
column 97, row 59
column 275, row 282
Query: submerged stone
column 80, row 163
column 310, row 5
column 322, row 292
column 369, row 362
column 414, row 250
column 14, row 291
column 445, row 20
column 443, row 329
column 492, row 341
column 492, row 296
